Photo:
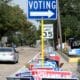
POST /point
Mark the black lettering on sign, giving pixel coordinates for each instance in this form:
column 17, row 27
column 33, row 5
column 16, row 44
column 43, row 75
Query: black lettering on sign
column 45, row 34
column 50, row 34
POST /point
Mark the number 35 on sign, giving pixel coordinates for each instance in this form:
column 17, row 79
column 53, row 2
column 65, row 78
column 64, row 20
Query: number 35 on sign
column 48, row 31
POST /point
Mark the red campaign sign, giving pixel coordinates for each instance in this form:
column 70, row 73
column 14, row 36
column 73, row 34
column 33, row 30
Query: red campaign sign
column 38, row 74
column 57, row 58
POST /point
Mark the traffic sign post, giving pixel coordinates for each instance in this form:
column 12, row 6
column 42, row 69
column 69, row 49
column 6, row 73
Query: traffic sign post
column 42, row 41
column 40, row 10
column 46, row 9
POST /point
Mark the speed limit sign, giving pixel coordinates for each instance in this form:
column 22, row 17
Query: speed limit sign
column 48, row 31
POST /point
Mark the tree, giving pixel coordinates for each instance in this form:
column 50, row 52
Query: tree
column 69, row 26
column 70, row 17
column 12, row 20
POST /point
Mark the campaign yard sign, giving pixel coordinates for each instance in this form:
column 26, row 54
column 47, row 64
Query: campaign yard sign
column 39, row 74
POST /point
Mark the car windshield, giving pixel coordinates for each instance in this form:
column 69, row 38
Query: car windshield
column 5, row 49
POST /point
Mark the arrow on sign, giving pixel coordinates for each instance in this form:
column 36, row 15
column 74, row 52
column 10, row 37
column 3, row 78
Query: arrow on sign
column 48, row 13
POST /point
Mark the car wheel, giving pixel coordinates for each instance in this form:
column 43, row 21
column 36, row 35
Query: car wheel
column 16, row 60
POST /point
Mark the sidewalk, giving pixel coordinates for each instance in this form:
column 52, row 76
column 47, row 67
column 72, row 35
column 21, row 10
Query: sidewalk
column 69, row 66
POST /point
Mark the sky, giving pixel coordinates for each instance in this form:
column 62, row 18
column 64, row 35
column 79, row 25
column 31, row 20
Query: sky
column 23, row 5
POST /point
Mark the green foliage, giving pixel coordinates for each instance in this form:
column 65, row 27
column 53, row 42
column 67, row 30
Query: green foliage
column 12, row 20
column 69, row 25
column 70, row 17
column 4, row 1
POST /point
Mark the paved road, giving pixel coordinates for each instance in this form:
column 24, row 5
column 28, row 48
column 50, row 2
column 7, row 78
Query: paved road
column 25, row 54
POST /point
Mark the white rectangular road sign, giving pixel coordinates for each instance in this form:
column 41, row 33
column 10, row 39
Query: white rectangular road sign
column 48, row 31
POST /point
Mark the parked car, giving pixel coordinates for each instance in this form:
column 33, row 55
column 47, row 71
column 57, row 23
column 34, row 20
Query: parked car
column 8, row 54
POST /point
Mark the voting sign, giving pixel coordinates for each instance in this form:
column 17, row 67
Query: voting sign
column 38, row 9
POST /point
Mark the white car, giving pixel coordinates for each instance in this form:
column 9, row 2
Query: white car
column 75, row 52
column 8, row 54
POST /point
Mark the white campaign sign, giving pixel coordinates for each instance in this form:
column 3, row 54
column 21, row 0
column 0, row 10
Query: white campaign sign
column 38, row 74
column 48, row 31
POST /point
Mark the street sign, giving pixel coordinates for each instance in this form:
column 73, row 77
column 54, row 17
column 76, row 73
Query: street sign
column 46, row 9
column 48, row 31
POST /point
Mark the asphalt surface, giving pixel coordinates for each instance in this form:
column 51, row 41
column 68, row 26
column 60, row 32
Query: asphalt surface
column 25, row 54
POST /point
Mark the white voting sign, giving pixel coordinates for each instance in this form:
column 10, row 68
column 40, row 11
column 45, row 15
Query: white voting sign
column 48, row 31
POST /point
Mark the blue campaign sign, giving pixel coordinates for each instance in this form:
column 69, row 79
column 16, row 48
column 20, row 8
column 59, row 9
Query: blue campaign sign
column 46, row 9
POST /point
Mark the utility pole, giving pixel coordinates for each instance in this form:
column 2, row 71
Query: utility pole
column 59, row 26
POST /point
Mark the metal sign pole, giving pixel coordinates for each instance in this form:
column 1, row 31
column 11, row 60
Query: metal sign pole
column 59, row 26
column 42, row 41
